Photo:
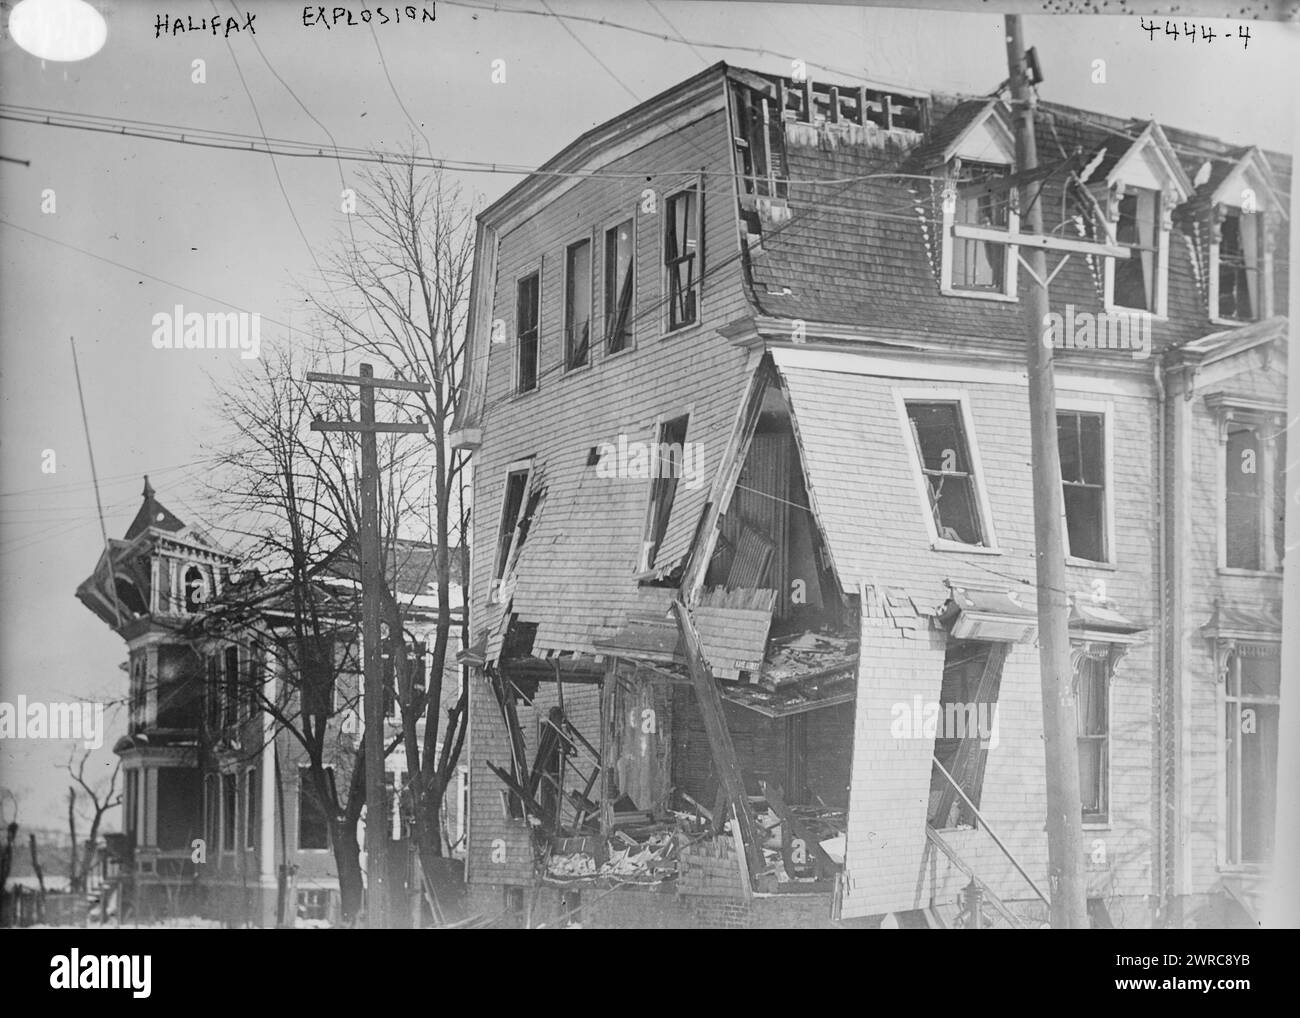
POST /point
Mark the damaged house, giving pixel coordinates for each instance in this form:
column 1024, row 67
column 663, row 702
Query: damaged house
column 220, row 814
column 752, row 581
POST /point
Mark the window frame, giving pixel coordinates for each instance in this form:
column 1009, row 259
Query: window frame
column 609, row 227
column 1269, row 423
column 1108, row 655
column 565, row 310
column 252, row 809
column 1010, row 282
column 697, row 187
column 902, row 397
column 1164, row 201
column 501, row 576
column 1263, row 267
column 1228, row 654
column 297, row 834
column 645, row 566
column 229, row 788
column 1106, row 410
column 516, row 360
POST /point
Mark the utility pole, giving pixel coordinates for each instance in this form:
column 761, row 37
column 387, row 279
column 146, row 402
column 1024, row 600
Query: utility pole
column 1069, row 909
column 372, row 581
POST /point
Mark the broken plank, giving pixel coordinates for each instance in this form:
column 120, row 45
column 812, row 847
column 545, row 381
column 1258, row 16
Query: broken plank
column 720, row 744
column 1001, row 909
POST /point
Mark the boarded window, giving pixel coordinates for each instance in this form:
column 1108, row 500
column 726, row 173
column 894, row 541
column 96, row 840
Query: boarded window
column 980, row 264
column 1081, row 440
column 682, row 245
column 945, row 462
column 1139, row 230
column 1252, row 687
column 1239, row 265
column 1092, row 712
column 666, row 466
column 619, row 275
column 527, row 333
column 313, row 826
column 1245, row 499
column 577, row 304
column 964, row 729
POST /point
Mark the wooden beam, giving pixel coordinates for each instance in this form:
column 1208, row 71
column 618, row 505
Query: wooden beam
column 376, row 428
column 720, row 744
column 937, row 840
column 371, row 382
column 1085, row 247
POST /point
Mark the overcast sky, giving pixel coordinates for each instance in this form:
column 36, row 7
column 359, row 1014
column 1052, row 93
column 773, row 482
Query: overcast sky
column 242, row 229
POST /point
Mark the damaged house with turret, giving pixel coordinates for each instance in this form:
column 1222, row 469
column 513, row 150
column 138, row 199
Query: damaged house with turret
column 752, row 585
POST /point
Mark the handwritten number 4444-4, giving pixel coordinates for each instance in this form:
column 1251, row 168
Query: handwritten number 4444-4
column 1189, row 31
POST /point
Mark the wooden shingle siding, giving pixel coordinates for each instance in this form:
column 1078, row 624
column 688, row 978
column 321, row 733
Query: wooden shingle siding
column 576, row 578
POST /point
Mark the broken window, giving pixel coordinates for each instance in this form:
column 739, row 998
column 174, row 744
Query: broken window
column 980, row 264
column 1092, row 712
column 760, row 139
column 511, row 506
column 682, row 246
column 665, row 471
column 1081, row 440
column 1243, row 511
column 1238, row 268
column 965, row 729
column 1251, row 695
column 1139, row 230
column 619, row 276
column 528, row 310
column 577, row 304
column 313, row 824
column 945, row 462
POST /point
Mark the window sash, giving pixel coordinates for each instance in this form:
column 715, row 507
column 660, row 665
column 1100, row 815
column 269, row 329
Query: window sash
column 527, row 330
column 1081, row 443
column 577, row 304
column 980, row 264
column 949, row 478
column 620, row 271
column 681, row 250
column 1092, row 678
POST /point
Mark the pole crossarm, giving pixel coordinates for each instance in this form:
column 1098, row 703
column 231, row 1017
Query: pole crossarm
column 370, row 381
column 995, row 185
column 1039, row 240
column 360, row 427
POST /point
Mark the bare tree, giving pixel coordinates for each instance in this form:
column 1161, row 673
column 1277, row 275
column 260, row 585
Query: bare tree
column 296, row 492
column 402, row 284
column 101, row 801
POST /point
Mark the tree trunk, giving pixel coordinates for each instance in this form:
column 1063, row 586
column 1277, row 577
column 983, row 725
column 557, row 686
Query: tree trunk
column 347, row 859
column 74, row 879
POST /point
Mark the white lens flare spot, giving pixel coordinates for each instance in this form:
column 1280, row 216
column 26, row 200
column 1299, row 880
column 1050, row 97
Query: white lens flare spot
column 58, row 29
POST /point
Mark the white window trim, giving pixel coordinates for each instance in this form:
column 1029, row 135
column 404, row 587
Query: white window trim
column 1165, row 202
column 1264, row 265
column 1262, row 422
column 697, row 185
column 498, row 588
column 1222, row 654
column 564, row 306
column 539, row 270
column 1107, row 410
column 1112, row 667
column 903, row 396
column 1010, row 274
column 604, row 309
column 645, row 570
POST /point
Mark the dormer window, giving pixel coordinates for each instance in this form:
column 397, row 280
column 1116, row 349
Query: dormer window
column 1246, row 210
column 980, row 215
column 1137, row 196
